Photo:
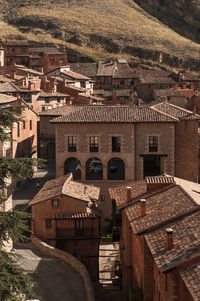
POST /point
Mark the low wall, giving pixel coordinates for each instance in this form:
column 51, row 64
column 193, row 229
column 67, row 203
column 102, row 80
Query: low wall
column 68, row 258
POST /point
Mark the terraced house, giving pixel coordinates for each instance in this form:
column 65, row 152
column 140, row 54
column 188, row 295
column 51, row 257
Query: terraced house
column 107, row 145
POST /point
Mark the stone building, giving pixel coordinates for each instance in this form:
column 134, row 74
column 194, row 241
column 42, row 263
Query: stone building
column 65, row 214
column 159, row 237
column 108, row 145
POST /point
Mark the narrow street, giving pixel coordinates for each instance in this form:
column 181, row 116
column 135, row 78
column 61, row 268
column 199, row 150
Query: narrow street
column 55, row 280
column 109, row 282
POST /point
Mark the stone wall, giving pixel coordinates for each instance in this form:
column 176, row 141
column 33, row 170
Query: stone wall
column 69, row 259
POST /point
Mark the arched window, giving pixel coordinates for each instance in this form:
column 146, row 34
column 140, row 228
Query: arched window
column 116, row 169
column 94, row 169
column 73, row 165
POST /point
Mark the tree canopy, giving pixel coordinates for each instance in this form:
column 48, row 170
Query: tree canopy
column 15, row 283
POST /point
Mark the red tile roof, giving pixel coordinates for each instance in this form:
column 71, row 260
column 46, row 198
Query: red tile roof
column 74, row 215
column 176, row 111
column 186, row 241
column 161, row 207
column 160, row 180
column 191, row 278
column 114, row 114
column 119, row 193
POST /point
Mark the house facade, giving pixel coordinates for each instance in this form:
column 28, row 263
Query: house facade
column 65, row 214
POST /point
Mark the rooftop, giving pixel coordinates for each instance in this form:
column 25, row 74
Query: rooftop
column 191, row 278
column 60, row 111
column 161, row 207
column 186, row 242
column 66, row 186
column 6, row 98
column 175, row 111
column 168, row 93
column 114, row 114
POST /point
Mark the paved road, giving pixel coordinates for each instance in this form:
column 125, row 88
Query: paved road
column 56, row 281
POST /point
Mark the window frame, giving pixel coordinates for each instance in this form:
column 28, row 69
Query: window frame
column 116, row 145
column 153, row 144
column 94, row 144
column 48, row 223
column 72, row 144
column 55, row 203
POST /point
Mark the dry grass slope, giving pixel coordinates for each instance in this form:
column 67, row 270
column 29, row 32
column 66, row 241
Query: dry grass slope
column 98, row 27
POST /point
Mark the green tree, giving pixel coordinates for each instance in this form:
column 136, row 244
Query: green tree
column 15, row 283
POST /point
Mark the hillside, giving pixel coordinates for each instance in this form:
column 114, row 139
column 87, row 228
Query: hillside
column 99, row 29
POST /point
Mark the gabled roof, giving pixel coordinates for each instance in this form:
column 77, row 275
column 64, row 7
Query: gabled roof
column 64, row 185
column 191, row 276
column 114, row 114
column 7, row 99
column 186, row 240
column 161, row 208
column 115, row 69
column 175, row 111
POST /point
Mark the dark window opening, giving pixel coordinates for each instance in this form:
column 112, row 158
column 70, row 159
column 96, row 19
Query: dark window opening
column 116, row 144
column 24, row 124
column 94, row 169
column 153, row 143
column 71, row 144
column 116, row 169
column 48, row 223
column 79, row 226
column 55, row 203
column 151, row 165
column 31, row 125
column 94, row 144
column 73, row 165
column 18, row 129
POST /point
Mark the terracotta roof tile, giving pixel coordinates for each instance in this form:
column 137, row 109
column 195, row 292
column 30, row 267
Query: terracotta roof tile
column 87, row 69
column 176, row 111
column 161, row 207
column 168, row 93
column 155, row 76
column 160, row 180
column 186, row 241
column 191, row 278
column 74, row 215
column 119, row 193
column 75, row 75
column 66, row 186
column 7, row 98
column 114, row 114
column 61, row 111
column 8, row 88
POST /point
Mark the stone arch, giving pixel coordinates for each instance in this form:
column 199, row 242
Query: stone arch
column 73, row 165
column 116, row 169
column 94, row 169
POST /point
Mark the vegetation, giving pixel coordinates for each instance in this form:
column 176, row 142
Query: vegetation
column 95, row 28
column 15, row 284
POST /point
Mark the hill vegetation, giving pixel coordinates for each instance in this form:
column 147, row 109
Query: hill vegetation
column 100, row 28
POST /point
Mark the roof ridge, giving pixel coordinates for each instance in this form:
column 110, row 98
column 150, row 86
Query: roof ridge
column 159, row 111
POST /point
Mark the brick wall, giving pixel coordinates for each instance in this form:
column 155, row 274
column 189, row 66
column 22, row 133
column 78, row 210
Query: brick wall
column 186, row 155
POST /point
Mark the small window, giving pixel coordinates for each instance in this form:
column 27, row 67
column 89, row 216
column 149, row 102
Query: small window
column 18, row 129
column 188, row 87
column 71, row 144
column 153, row 143
column 24, row 124
column 94, row 144
column 79, row 226
column 48, row 223
column 55, row 203
column 43, row 108
column 31, row 125
column 116, row 144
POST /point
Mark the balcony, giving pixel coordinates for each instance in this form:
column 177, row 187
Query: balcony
column 76, row 233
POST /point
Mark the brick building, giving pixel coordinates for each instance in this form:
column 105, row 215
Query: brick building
column 159, row 236
column 170, row 95
column 65, row 214
column 109, row 145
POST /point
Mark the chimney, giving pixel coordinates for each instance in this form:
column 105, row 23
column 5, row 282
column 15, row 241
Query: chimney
column 13, row 75
column 170, row 241
column 85, row 189
column 128, row 191
column 142, row 207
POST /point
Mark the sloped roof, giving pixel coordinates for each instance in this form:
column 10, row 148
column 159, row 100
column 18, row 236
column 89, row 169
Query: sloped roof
column 186, row 239
column 60, row 111
column 8, row 88
column 118, row 114
column 64, row 185
column 161, row 207
column 175, row 111
column 6, row 98
column 191, row 276
column 87, row 69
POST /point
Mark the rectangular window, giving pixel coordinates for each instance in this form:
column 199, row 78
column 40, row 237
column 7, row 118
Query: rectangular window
column 153, row 143
column 94, row 144
column 24, row 124
column 116, row 144
column 43, row 108
column 18, row 129
column 48, row 223
column 55, row 203
column 71, row 144
column 79, row 227
column 31, row 125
